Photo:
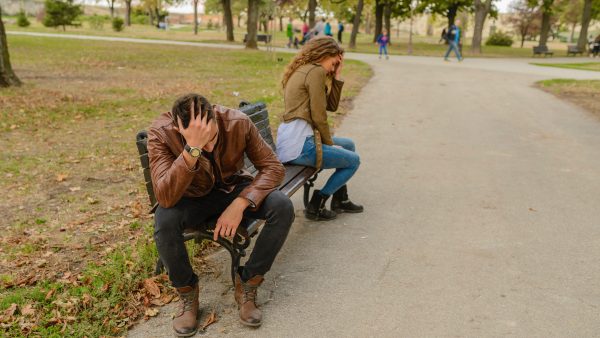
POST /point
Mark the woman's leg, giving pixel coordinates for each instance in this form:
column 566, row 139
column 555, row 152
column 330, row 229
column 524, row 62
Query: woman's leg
column 344, row 142
column 344, row 161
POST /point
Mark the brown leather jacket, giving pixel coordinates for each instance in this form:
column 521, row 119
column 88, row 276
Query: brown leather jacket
column 172, row 179
column 307, row 97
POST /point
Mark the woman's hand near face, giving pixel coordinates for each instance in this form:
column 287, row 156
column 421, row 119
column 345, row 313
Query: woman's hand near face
column 338, row 67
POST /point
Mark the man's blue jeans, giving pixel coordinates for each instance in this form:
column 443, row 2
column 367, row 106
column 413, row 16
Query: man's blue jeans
column 344, row 160
column 453, row 46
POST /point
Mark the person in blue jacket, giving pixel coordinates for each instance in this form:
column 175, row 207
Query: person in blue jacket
column 453, row 36
column 327, row 30
column 383, row 40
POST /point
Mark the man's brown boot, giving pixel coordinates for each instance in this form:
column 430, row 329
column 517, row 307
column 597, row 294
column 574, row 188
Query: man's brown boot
column 245, row 296
column 185, row 321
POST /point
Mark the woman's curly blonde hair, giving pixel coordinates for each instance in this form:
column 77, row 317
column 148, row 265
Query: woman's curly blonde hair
column 314, row 50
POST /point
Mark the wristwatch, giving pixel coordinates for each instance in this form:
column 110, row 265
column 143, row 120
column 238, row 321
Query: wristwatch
column 193, row 151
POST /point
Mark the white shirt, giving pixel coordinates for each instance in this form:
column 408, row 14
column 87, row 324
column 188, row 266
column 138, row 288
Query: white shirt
column 290, row 139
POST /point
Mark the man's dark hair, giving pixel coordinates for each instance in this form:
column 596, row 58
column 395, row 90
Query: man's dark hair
column 181, row 108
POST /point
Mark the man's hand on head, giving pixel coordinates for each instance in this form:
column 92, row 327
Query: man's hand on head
column 198, row 132
column 231, row 218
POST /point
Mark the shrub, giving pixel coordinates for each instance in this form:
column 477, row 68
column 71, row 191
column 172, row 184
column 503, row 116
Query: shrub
column 141, row 19
column 117, row 24
column 96, row 22
column 499, row 38
column 22, row 20
column 209, row 25
column 61, row 13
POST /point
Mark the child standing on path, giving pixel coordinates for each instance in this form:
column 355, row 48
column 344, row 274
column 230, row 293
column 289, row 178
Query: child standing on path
column 383, row 41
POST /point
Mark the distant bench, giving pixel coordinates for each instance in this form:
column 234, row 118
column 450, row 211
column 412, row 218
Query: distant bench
column 295, row 177
column 266, row 38
column 573, row 50
column 542, row 50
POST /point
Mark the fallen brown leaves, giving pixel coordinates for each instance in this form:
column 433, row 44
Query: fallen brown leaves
column 155, row 292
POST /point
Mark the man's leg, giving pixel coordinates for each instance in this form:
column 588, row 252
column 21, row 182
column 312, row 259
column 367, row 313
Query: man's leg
column 448, row 50
column 169, row 225
column 278, row 211
column 457, row 51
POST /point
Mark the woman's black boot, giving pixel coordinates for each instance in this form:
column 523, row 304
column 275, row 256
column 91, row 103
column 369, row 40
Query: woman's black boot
column 341, row 203
column 316, row 210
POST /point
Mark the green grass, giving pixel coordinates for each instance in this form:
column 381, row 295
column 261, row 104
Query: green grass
column 85, row 305
column 593, row 66
column 69, row 161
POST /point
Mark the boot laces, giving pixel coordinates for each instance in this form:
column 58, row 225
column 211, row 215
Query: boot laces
column 249, row 293
column 186, row 302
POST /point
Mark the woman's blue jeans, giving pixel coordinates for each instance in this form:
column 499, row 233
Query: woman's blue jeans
column 344, row 160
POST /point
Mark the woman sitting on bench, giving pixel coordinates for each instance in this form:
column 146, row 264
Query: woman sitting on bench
column 312, row 86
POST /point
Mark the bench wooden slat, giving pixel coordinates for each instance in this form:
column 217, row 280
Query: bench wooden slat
column 259, row 115
column 296, row 178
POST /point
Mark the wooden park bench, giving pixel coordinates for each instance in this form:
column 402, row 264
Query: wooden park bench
column 542, row 50
column 573, row 50
column 295, row 177
column 266, row 38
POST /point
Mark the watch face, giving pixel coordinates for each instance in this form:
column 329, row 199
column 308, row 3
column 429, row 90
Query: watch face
column 195, row 152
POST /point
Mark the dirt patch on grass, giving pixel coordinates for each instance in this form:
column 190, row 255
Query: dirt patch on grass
column 584, row 93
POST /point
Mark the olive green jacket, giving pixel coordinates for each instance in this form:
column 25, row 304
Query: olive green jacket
column 309, row 94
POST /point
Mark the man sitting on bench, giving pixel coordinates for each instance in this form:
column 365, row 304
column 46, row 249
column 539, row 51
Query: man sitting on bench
column 196, row 154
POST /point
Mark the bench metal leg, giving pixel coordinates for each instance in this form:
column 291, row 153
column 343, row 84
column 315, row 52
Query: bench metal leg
column 236, row 249
column 307, row 186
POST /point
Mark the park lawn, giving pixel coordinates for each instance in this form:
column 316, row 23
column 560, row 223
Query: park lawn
column 77, row 238
column 584, row 93
column 423, row 45
column 594, row 66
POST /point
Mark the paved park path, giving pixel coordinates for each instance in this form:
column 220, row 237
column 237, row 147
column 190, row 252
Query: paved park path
column 482, row 198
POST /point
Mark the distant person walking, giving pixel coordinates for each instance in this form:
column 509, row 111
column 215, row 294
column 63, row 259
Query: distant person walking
column 453, row 37
column 290, row 33
column 327, row 29
column 383, row 40
column 340, row 31
column 319, row 28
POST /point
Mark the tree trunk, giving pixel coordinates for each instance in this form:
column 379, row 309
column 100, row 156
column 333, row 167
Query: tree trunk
column 481, row 11
column 239, row 20
column 586, row 17
column 111, row 6
column 281, row 23
column 387, row 19
column 546, row 15
column 368, row 23
column 572, row 36
column 195, row 17
column 228, row 19
column 7, row 76
column 409, row 50
column 379, row 7
column 452, row 11
column 356, row 23
column 312, row 7
column 252, row 24
column 128, row 12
